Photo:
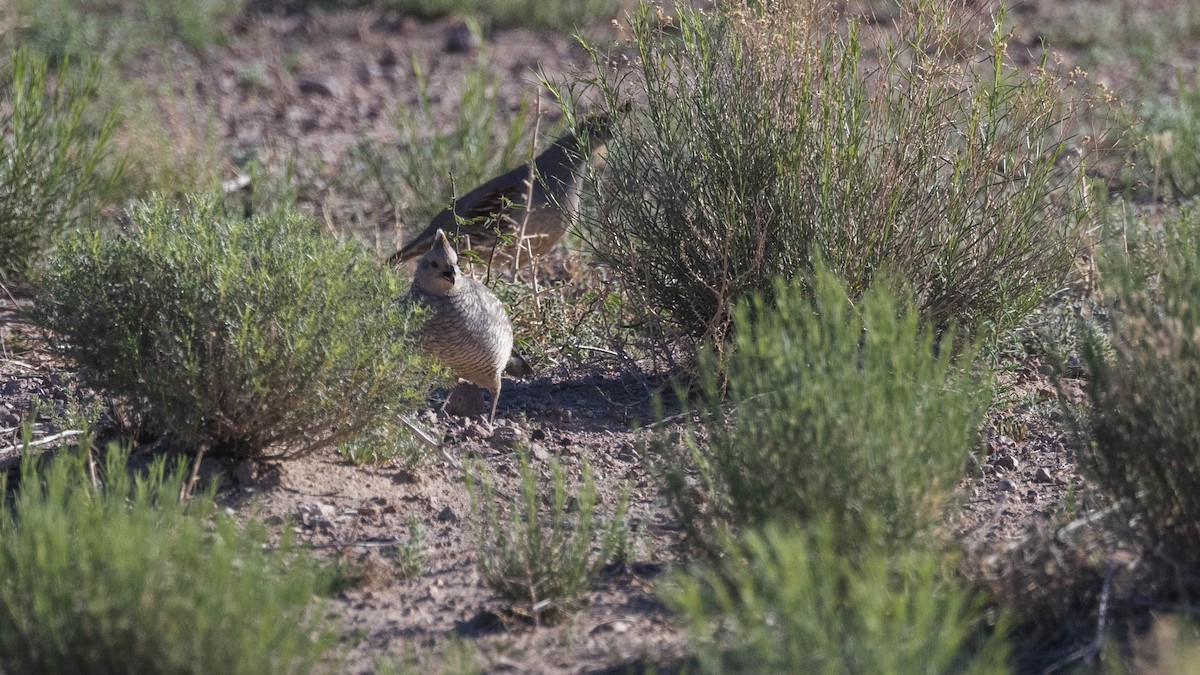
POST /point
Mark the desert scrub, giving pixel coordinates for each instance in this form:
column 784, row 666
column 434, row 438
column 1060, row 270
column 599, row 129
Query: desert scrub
column 545, row 546
column 115, row 29
column 1173, row 130
column 773, row 133
column 251, row 337
column 113, row 573
column 53, row 169
column 784, row 601
column 847, row 411
column 1141, row 440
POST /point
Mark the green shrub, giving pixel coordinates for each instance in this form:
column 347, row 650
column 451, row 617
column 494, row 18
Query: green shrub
column 433, row 165
column 786, row 602
column 248, row 337
column 1141, row 440
column 114, row 29
column 841, row 411
column 120, row 576
column 1173, row 127
column 769, row 137
column 543, row 553
column 51, row 158
column 384, row 444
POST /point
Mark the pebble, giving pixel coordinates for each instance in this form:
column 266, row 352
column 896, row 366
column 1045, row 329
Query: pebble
column 316, row 85
column 1007, row 485
column 1043, row 476
column 447, row 515
column 507, row 437
column 1006, row 463
column 460, row 38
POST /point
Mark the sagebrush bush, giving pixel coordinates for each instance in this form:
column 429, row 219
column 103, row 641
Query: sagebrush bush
column 248, row 337
column 784, row 601
column 839, row 410
column 53, row 170
column 114, row 574
column 545, row 545
column 1173, row 128
column 772, row 133
column 1141, row 438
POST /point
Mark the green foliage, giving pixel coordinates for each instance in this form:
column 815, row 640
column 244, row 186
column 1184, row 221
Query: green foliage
column 114, row 29
column 772, row 134
column 384, row 444
column 842, row 411
column 52, row 173
column 567, row 320
column 1173, row 128
column 786, row 602
column 250, row 337
column 1142, row 438
column 119, row 575
column 552, row 545
column 409, row 557
column 454, row 657
column 433, row 166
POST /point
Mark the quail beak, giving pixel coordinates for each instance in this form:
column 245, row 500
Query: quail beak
column 449, row 274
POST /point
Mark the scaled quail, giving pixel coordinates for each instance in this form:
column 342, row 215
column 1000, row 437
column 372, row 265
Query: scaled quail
column 467, row 328
column 497, row 206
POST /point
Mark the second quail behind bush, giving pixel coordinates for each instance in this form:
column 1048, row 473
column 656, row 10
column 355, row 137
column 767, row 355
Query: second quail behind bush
column 467, row 328
column 498, row 206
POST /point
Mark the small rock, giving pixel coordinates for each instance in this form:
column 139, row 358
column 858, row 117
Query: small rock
column 10, row 388
column 315, row 515
column 447, row 515
column 1007, row 485
column 539, row 452
column 1006, row 463
column 538, row 434
column 1031, row 496
column 387, row 58
column 460, row 38
column 561, row 414
column 365, row 72
column 319, row 86
column 1043, row 476
column 507, row 437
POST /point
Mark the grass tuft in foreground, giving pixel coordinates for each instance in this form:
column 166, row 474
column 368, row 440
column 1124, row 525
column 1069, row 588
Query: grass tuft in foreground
column 544, row 545
column 787, row 601
column 111, row 572
column 838, row 410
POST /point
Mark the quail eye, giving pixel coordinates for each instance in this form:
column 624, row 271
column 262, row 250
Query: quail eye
column 433, row 264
